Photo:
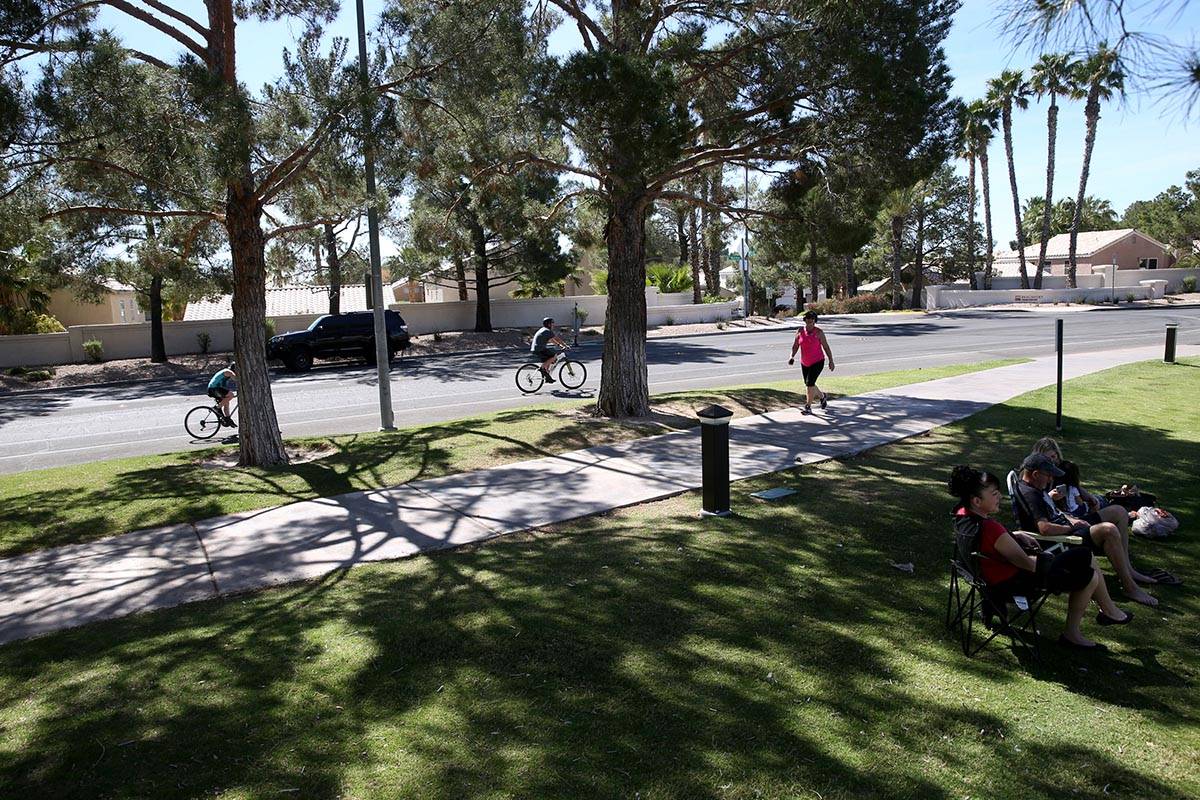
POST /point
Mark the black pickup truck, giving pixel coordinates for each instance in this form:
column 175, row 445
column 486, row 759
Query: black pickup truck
column 337, row 335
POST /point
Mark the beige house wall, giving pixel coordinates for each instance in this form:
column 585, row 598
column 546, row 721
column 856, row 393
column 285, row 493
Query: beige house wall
column 1127, row 253
column 70, row 310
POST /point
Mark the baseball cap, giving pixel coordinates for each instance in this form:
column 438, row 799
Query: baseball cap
column 1037, row 461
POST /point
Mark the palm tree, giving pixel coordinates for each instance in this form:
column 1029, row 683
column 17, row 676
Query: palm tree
column 968, row 149
column 1005, row 92
column 980, row 127
column 1052, row 75
column 1096, row 78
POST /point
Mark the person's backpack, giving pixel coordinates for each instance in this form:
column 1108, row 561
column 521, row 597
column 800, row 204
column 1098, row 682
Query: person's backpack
column 1154, row 523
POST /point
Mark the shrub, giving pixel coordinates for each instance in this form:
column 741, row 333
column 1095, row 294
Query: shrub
column 859, row 304
column 670, row 320
column 23, row 321
column 582, row 315
column 713, row 298
column 600, row 281
column 94, row 350
column 270, row 326
column 1188, row 284
column 669, row 278
column 1129, row 298
column 437, row 336
column 204, row 340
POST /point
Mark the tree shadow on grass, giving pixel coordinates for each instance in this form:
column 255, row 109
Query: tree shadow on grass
column 772, row 654
column 602, row 663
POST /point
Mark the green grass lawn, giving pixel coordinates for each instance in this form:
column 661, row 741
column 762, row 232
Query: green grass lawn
column 65, row 505
column 648, row 653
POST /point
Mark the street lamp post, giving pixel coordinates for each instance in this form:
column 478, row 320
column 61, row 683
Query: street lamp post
column 382, row 365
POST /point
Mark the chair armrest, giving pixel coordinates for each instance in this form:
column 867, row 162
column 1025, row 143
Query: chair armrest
column 1065, row 538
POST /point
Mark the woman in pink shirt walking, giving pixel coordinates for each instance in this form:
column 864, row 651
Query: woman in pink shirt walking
column 813, row 347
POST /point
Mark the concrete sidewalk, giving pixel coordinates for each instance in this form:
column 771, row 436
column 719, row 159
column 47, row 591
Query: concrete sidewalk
column 69, row 586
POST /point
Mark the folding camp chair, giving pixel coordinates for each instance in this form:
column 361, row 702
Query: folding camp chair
column 971, row 600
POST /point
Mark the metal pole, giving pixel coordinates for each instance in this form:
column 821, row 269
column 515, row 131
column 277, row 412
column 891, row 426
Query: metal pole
column 382, row 366
column 575, row 341
column 1058, row 346
column 1114, row 279
column 1169, row 352
column 714, row 460
column 745, row 264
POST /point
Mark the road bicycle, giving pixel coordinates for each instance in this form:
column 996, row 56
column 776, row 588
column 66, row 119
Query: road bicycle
column 203, row 422
column 571, row 374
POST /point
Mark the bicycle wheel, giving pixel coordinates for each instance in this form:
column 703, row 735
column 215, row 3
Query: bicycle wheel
column 529, row 378
column 572, row 374
column 202, row 422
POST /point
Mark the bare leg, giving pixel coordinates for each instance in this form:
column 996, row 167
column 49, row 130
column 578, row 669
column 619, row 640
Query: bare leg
column 1103, row 599
column 808, row 391
column 1119, row 517
column 1107, row 536
column 1077, row 604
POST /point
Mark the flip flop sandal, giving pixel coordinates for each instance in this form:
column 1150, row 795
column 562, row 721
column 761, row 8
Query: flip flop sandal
column 1105, row 619
column 1095, row 648
column 1163, row 578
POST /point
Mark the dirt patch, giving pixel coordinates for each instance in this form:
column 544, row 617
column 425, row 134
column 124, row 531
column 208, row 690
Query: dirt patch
column 467, row 341
column 296, row 455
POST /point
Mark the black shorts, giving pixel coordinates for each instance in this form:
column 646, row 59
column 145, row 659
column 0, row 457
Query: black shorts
column 219, row 393
column 1089, row 542
column 812, row 372
column 545, row 353
column 1065, row 572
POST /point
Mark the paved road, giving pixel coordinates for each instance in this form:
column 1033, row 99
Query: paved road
column 46, row 429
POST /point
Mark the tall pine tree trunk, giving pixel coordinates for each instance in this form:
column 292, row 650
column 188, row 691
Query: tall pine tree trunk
column 624, row 389
column 897, row 228
column 483, row 305
column 460, row 275
column 814, row 271
column 987, row 219
column 851, row 277
column 694, row 255
column 919, row 257
column 158, row 347
column 1091, row 113
column 971, row 219
column 1006, row 119
column 335, row 271
column 682, row 236
column 258, row 427
column 260, row 442
column 1051, row 133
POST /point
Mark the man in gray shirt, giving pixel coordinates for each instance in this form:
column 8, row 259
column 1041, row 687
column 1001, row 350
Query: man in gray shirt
column 541, row 346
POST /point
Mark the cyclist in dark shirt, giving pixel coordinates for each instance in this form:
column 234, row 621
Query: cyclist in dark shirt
column 541, row 346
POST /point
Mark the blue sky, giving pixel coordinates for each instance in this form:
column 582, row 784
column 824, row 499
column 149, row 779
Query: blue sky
column 1142, row 147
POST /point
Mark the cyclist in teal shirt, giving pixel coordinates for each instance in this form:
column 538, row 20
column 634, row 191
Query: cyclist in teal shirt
column 218, row 389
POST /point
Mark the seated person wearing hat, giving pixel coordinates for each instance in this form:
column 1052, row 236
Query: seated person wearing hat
column 1038, row 474
column 1012, row 563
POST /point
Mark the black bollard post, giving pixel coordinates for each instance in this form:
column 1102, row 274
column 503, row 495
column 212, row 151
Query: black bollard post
column 1169, row 353
column 1058, row 346
column 714, row 459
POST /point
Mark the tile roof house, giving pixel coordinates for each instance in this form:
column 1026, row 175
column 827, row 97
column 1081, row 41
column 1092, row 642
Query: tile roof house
column 1126, row 247
column 288, row 301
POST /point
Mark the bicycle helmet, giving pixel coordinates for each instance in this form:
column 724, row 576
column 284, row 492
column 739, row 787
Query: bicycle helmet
column 547, row 322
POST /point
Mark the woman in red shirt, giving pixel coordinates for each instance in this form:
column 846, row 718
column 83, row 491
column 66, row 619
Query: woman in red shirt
column 1009, row 568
